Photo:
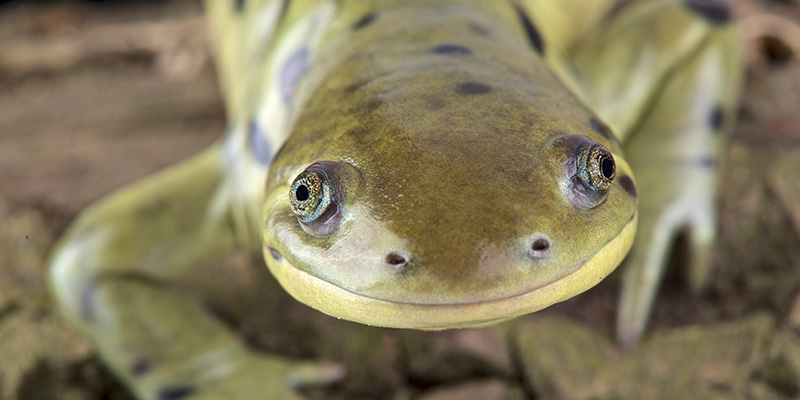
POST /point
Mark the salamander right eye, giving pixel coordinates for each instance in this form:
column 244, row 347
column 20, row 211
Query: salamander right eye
column 310, row 195
column 591, row 170
column 315, row 197
column 596, row 167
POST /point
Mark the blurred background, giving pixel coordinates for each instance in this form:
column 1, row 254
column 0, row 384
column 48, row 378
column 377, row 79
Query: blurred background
column 95, row 94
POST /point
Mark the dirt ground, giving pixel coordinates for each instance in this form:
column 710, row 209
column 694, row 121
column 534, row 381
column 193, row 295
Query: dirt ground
column 94, row 95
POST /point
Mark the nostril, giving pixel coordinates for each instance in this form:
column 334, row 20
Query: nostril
column 539, row 248
column 540, row 245
column 396, row 260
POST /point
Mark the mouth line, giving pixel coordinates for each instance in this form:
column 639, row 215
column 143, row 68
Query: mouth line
column 631, row 220
column 342, row 303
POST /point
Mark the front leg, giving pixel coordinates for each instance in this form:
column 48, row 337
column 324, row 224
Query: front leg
column 665, row 76
column 674, row 149
column 117, row 273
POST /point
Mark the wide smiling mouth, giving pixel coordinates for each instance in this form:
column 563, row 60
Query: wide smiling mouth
column 347, row 304
column 400, row 260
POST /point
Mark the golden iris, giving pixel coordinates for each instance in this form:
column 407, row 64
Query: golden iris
column 309, row 196
column 596, row 167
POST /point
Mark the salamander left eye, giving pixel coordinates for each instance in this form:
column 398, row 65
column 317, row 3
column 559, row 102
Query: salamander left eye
column 310, row 195
column 596, row 167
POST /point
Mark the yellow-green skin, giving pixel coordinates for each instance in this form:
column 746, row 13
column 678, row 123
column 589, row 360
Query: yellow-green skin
column 450, row 131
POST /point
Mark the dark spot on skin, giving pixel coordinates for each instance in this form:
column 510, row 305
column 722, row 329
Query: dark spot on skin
column 365, row 21
column 396, row 260
column 175, row 393
column 716, row 118
column 601, row 128
column 141, row 367
column 357, row 132
column 479, row 29
column 292, row 71
column 259, row 145
column 276, row 255
column 361, row 135
column 707, row 162
column 473, row 88
column 239, row 6
column 627, row 183
column 711, row 10
column 531, row 31
column 285, row 8
column 452, row 50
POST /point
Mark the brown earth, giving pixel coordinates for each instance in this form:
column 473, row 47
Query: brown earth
column 94, row 95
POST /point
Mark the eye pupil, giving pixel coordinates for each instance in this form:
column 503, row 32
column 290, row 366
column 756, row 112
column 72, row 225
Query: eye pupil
column 302, row 193
column 607, row 165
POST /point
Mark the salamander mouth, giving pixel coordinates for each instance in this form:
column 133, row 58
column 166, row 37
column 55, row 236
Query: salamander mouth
column 345, row 304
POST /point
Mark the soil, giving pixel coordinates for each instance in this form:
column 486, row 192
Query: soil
column 96, row 94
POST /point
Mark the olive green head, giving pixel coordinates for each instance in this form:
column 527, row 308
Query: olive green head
column 439, row 194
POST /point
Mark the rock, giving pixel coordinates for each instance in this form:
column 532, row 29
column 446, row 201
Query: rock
column 35, row 343
column 494, row 389
column 563, row 359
